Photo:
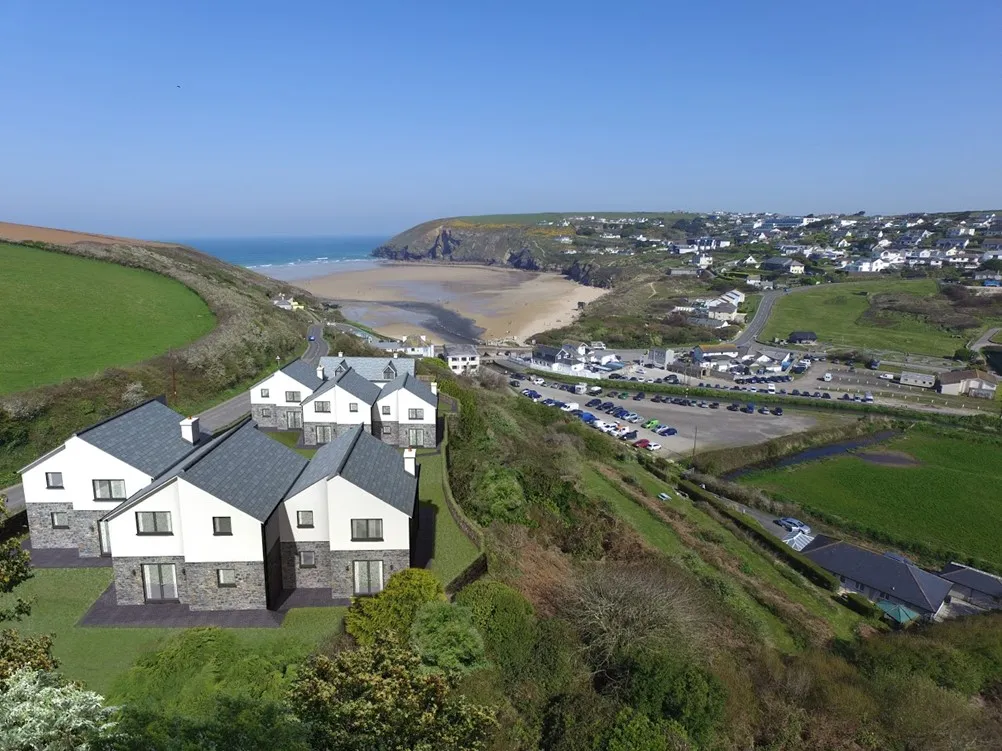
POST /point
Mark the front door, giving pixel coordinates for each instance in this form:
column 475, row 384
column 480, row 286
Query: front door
column 415, row 436
column 294, row 420
column 104, row 538
column 159, row 582
column 368, row 577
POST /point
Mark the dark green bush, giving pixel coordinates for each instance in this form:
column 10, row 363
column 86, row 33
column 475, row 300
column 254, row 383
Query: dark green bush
column 860, row 604
column 507, row 622
column 392, row 611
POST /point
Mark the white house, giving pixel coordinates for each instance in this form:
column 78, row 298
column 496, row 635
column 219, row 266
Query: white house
column 379, row 370
column 405, row 413
column 412, row 346
column 68, row 490
column 276, row 401
column 337, row 406
column 461, row 358
column 244, row 519
column 702, row 260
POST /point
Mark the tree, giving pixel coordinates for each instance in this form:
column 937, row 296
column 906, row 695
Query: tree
column 446, row 639
column 38, row 711
column 634, row 731
column 378, row 697
column 392, row 611
column 964, row 355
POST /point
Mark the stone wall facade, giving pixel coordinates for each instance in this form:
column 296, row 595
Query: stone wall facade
column 129, row 578
column 293, row 576
column 396, row 433
column 310, row 432
column 277, row 419
column 85, row 532
column 342, row 568
column 203, row 592
column 40, row 526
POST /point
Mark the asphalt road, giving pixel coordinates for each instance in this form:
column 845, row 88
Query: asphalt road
column 762, row 313
column 212, row 419
column 984, row 340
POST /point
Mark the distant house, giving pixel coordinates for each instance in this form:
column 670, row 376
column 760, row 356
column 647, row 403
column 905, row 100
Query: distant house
column 880, row 577
column 975, row 383
column 924, row 380
column 412, row 346
column 287, row 303
column 802, row 337
column 276, row 401
column 754, row 280
column 557, row 358
column 702, row 260
column 783, row 265
column 750, row 262
column 463, row 359
column 722, row 312
column 707, row 352
column 682, row 271
column 991, row 243
column 661, row 358
column 973, row 585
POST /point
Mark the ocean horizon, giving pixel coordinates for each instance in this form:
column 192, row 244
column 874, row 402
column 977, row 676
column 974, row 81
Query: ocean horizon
column 290, row 258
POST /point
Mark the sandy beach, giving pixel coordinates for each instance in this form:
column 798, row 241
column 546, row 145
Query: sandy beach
column 400, row 298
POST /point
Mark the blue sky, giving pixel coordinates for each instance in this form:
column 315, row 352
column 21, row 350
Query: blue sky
column 329, row 117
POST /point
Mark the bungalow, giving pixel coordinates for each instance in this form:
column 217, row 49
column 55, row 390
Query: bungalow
column 973, row 585
column 68, row 490
column 802, row 337
column 707, row 352
column 276, row 401
column 783, row 265
column 245, row 518
column 412, row 346
column 923, row 380
column 880, row 577
column 975, row 383
column 462, row 359
column 661, row 358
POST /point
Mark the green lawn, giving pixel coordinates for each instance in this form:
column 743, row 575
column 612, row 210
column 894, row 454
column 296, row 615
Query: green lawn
column 833, row 313
column 951, row 501
column 453, row 550
column 97, row 656
column 64, row 316
column 290, row 438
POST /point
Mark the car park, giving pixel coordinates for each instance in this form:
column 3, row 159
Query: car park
column 667, row 431
column 651, row 424
column 630, row 436
column 593, row 403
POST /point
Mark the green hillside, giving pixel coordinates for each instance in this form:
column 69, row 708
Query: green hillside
column 64, row 316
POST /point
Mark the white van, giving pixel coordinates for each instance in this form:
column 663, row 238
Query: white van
column 826, row 377
column 537, row 381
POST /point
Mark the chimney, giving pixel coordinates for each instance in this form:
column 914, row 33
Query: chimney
column 340, row 354
column 189, row 429
column 396, row 355
column 320, row 372
column 434, row 387
column 410, row 457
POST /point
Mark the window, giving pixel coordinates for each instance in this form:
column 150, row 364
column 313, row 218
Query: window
column 60, row 520
column 415, row 437
column 353, row 407
column 265, row 393
column 322, row 406
column 415, row 414
column 226, row 577
column 389, row 374
column 368, row 577
column 222, row 525
column 387, row 430
column 109, row 490
column 339, row 370
column 304, row 519
column 325, row 433
column 365, row 530
column 153, row 522
column 292, row 396
column 54, row 480
column 307, row 559
column 159, row 582
column 386, row 409
column 266, row 412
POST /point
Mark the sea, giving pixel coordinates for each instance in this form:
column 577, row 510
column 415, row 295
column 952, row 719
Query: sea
column 292, row 258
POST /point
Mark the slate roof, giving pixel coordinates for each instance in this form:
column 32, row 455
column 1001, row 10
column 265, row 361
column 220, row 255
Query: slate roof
column 802, row 336
column 546, row 352
column 147, row 437
column 366, row 462
column 895, row 577
column 304, row 373
column 370, row 368
column 973, row 578
column 413, row 384
column 957, row 376
column 242, row 466
column 460, row 350
column 351, row 382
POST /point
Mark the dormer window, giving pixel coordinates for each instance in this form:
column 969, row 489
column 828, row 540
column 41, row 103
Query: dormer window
column 389, row 374
column 339, row 370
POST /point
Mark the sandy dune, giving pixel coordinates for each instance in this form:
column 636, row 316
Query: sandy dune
column 507, row 303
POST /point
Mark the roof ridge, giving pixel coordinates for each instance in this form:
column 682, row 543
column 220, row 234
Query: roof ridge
column 162, row 398
column 359, row 429
column 214, row 443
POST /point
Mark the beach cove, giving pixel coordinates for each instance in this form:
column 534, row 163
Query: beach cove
column 452, row 302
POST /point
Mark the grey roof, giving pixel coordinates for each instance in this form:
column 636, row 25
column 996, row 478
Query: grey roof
column 370, row 368
column 545, row 352
column 304, row 373
column 366, row 462
column 147, row 437
column 895, row 577
column 802, row 335
column 242, row 466
column 248, row 470
column 980, row 581
column 351, row 382
column 460, row 350
column 413, row 384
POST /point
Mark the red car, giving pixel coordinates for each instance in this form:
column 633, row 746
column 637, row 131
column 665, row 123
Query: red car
column 642, row 443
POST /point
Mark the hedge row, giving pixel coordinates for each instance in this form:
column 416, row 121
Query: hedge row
column 860, row 604
column 797, row 561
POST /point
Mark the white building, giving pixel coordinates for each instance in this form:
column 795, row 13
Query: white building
column 463, row 359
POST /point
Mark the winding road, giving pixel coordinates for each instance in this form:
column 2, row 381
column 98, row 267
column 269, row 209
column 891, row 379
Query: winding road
column 212, row 419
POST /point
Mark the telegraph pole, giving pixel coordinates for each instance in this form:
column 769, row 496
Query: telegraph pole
column 695, row 433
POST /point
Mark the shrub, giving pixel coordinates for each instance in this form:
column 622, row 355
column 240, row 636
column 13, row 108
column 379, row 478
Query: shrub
column 446, row 639
column 860, row 604
column 392, row 611
column 506, row 621
column 635, row 731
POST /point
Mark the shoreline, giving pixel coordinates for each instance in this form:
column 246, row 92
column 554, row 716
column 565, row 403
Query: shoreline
column 453, row 302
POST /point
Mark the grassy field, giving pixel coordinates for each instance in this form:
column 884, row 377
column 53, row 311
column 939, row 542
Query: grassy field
column 64, row 316
column 833, row 312
column 452, row 550
column 950, row 500
column 97, row 656
column 290, row 438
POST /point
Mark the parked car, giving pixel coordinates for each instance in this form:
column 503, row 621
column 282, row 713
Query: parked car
column 631, row 436
column 593, row 403
column 763, row 410
column 653, row 447
column 639, row 396
column 887, row 376
column 793, row 525
column 642, row 443
column 778, row 411
column 514, row 384
column 667, row 431
column 733, row 407
column 651, row 424
column 714, row 405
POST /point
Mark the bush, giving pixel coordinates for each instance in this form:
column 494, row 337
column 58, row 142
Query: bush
column 860, row 604
column 445, row 638
column 634, row 731
column 392, row 611
column 506, row 621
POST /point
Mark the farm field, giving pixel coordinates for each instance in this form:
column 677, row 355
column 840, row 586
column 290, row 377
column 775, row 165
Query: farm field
column 947, row 498
column 834, row 313
column 65, row 317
